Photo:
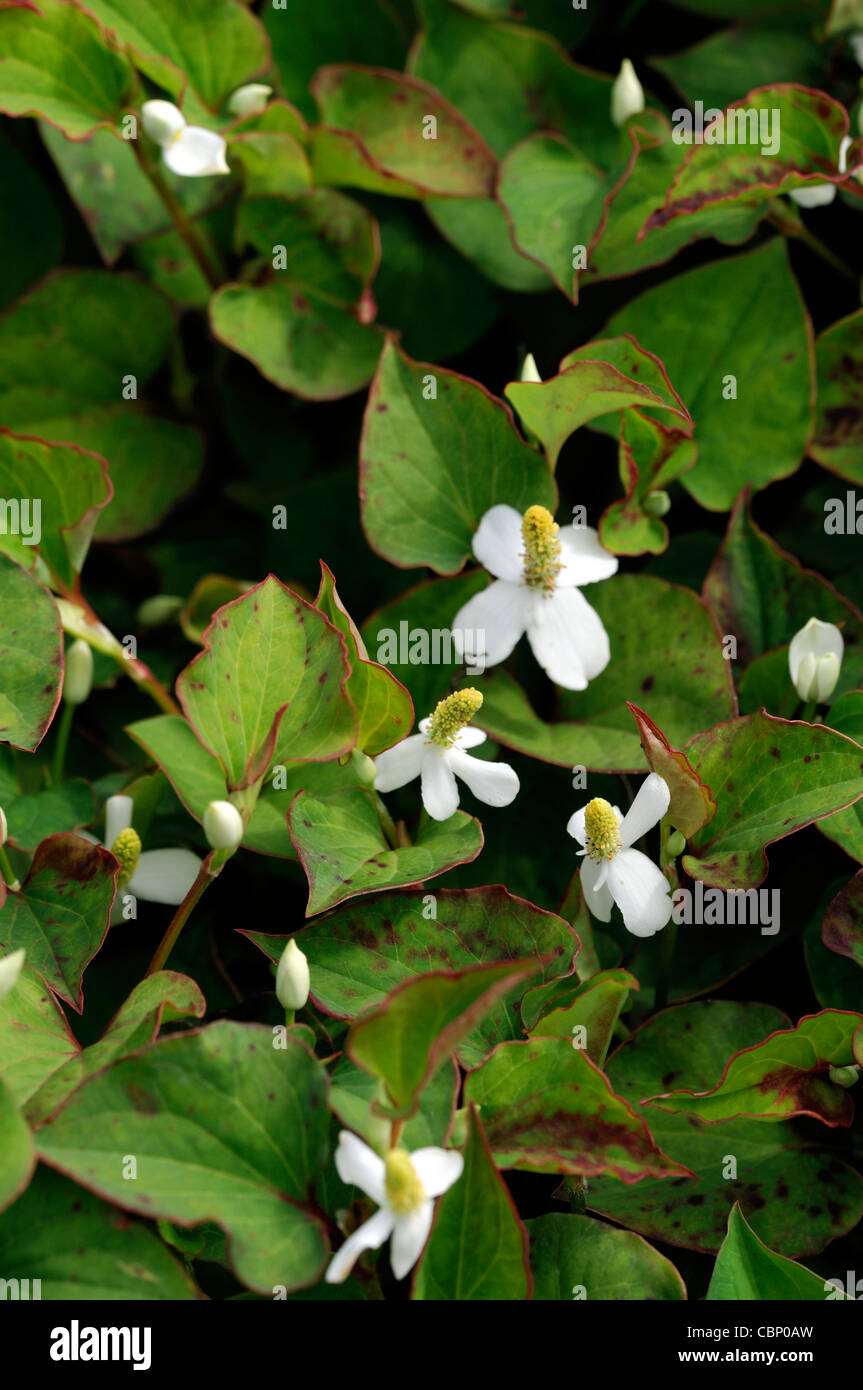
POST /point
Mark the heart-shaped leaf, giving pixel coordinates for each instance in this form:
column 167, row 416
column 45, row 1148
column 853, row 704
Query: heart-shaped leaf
column 331, row 245
column 746, row 1270
column 575, row 1257
column 31, row 656
column 586, row 1014
column 842, row 928
column 838, row 441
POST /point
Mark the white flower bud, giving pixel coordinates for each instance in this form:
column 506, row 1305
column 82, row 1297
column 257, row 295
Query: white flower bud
column 223, row 825
column 627, row 94
column 657, row 503
column 162, row 120
column 818, row 196
column 4, row 827
column 78, row 680
column 10, row 968
column 250, row 100
column 292, row 977
column 815, row 660
column 529, row 369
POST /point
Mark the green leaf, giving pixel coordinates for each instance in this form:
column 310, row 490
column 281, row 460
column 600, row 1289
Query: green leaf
column 812, row 128
column 358, row 955
column 377, row 136
column 353, row 1091
column 330, row 31
column 650, row 456
column 35, row 1038
column 796, row 1197
column 594, row 1005
column 422, row 1022
column 17, row 1153
column 80, row 1249
column 769, row 777
column 691, row 805
column 719, row 68
column 58, row 63
column 31, row 654
column 593, row 380
column 343, row 851
column 842, row 927
column 66, row 486
column 274, row 162
column 384, row 708
column 478, row 228
column 60, row 916
column 421, row 494
column 68, row 352
column 746, row 1270
column 783, row 1076
column 839, row 406
column 225, row 1128
column 65, row 807
column 201, row 51
column 269, row 685
column 477, row 1250
column 331, row 243
column 759, row 334
column 845, row 828
column 547, row 1108
column 577, row 1257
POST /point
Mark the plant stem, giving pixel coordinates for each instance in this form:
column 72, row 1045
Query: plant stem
column 79, row 620
column 13, row 883
column 577, row 1189
column 212, row 273
column 62, row 743
column 388, row 825
column 205, row 877
column 807, row 238
column 290, row 1017
column 807, row 712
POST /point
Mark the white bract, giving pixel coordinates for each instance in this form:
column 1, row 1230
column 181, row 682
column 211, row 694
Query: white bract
column 292, row 978
column 820, row 194
column 538, row 566
column 438, row 754
column 627, row 94
column 10, row 968
column 191, row 151
column 529, row 369
column 78, row 673
column 815, row 660
column 403, row 1186
column 156, row 875
column 614, row 872
column 250, row 100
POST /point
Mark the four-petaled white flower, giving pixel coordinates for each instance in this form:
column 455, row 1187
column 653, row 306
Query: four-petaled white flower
column 819, row 195
column 815, row 660
column 191, row 151
column 537, row 568
column 614, row 872
column 157, row 875
column 438, row 754
column 403, row 1186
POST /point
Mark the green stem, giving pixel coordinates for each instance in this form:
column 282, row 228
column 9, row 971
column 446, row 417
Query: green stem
column 815, row 245
column 807, row 711
column 207, row 872
column 13, row 883
column 290, row 1017
column 62, row 743
column 577, row 1189
column 211, row 271
column 79, row 620
column 388, row 825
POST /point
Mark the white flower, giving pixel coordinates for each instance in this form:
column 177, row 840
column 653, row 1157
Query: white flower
column 292, row 977
column 815, row 660
column 191, row 151
column 78, row 675
column 438, row 754
column 250, row 100
column 529, row 369
column 404, row 1187
column 627, row 94
column 223, row 825
column 612, row 871
column 157, row 875
column 10, row 968
column 819, row 195
column 537, row 567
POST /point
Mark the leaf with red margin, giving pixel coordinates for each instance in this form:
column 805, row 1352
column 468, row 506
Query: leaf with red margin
column 842, row 927
column 762, row 595
column 31, row 658
column 787, row 1074
column 372, row 136
column 384, row 708
column 341, row 846
column 691, row 804
column 813, row 126
column 360, row 953
column 594, row 1004
column 422, row 495
column 332, row 243
column 769, row 777
column 603, row 376
column 548, row 1108
column 60, row 916
column 422, row 1022
column 650, row 455
column 838, row 440
column 269, row 686
column 35, row 1037
column 478, row 1247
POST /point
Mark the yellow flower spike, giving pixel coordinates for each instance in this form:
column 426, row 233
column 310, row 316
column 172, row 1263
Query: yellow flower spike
column 601, row 829
column 451, row 714
column 542, row 548
column 127, row 848
column 405, row 1192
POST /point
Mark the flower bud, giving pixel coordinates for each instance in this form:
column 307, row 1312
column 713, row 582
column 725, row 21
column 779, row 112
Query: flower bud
column 657, row 503
column 529, row 369
column 223, row 825
column 627, row 94
column 10, row 968
column 162, row 120
column 292, row 977
column 815, row 660
column 675, row 844
column 250, row 100
column 78, row 680
column 364, row 768
column 844, row 1076
column 159, row 609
